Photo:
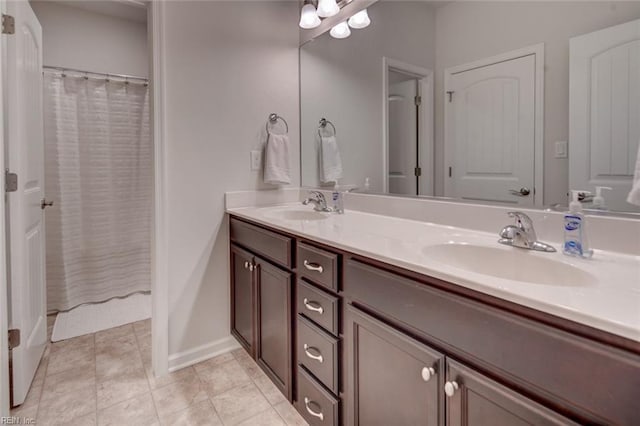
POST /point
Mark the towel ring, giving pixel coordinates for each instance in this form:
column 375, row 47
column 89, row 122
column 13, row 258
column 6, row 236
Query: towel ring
column 323, row 125
column 273, row 119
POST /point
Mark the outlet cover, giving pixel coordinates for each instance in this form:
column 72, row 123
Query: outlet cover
column 561, row 149
column 256, row 160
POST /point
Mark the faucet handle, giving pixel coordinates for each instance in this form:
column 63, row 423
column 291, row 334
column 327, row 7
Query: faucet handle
column 525, row 223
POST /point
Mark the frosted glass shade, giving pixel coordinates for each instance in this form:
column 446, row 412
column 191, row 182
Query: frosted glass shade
column 360, row 20
column 327, row 8
column 341, row 30
column 309, row 17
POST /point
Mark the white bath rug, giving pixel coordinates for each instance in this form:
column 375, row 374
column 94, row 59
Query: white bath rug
column 86, row 319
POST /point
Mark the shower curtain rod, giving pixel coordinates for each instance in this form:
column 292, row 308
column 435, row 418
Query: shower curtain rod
column 126, row 77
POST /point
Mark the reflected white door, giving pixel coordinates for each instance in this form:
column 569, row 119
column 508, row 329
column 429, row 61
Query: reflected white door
column 403, row 137
column 26, row 225
column 605, row 111
column 490, row 132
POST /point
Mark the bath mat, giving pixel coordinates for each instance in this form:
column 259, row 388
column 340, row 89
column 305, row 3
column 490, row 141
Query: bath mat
column 86, row 319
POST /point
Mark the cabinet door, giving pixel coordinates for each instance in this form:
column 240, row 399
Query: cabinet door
column 474, row 399
column 391, row 378
column 243, row 296
column 273, row 351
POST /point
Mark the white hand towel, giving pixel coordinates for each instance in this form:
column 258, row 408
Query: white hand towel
column 276, row 163
column 634, row 195
column 330, row 161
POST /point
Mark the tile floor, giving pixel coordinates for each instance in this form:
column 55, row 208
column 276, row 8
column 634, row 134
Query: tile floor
column 105, row 379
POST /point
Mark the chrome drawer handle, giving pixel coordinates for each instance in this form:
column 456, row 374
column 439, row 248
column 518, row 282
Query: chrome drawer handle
column 309, row 305
column 313, row 266
column 307, row 350
column 307, row 401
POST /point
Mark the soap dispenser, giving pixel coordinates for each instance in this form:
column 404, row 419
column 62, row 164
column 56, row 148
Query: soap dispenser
column 575, row 233
column 598, row 200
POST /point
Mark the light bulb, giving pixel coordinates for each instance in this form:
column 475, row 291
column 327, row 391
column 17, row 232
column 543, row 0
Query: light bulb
column 309, row 17
column 360, row 20
column 341, row 30
column 327, row 8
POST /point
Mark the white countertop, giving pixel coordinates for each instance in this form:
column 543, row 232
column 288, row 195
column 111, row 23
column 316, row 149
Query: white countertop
column 609, row 302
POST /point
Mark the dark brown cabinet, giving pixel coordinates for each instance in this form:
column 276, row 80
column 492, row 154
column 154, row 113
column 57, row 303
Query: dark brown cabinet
column 243, row 303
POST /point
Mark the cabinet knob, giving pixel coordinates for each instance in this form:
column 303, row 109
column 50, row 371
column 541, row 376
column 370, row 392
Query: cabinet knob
column 312, row 266
column 450, row 388
column 246, row 265
column 307, row 403
column 427, row 373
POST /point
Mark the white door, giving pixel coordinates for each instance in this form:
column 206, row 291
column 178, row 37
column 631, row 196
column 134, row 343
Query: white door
column 490, row 132
column 604, row 119
column 403, row 137
column 26, row 225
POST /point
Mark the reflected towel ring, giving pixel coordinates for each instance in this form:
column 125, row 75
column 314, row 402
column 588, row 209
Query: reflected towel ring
column 323, row 125
column 273, row 119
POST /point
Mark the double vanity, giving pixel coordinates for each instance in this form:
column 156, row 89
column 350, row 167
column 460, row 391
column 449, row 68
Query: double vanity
column 377, row 320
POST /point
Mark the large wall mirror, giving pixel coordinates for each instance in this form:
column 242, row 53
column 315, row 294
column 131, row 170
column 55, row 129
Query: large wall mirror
column 502, row 102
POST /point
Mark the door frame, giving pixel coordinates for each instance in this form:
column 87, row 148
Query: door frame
column 425, row 122
column 538, row 158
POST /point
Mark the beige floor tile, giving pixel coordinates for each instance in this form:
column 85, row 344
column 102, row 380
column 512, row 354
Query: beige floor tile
column 138, row 411
column 122, row 388
column 221, row 378
column 30, row 405
column 28, row 416
column 220, row 359
column 200, row 414
column 114, row 333
column 68, row 381
column 247, row 363
column 38, row 379
column 239, row 404
column 269, row 390
column 266, row 418
column 71, row 358
column 178, row 396
column 117, row 346
column 66, row 407
column 110, row 365
column 73, row 344
column 88, row 420
column 289, row 414
column 177, row 376
column 142, row 328
column 145, row 351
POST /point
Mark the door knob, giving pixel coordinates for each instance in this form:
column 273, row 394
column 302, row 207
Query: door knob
column 44, row 203
column 522, row 192
column 450, row 388
column 427, row 372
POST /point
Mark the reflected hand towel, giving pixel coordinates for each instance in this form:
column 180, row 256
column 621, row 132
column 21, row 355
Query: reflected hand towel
column 330, row 161
column 276, row 165
column 634, row 195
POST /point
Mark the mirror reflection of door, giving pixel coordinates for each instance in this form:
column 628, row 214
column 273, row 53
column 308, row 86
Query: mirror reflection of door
column 404, row 110
column 491, row 131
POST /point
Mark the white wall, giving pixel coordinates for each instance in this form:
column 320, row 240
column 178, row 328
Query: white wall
column 90, row 41
column 228, row 65
column 342, row 81
column 467, row 31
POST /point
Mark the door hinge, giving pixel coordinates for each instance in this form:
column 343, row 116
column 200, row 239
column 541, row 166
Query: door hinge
column 8, row 24
column 10, row 181
column 450, row 93
column 14, row 338
column 450, row 170
column 418, row 171
column 418, row 100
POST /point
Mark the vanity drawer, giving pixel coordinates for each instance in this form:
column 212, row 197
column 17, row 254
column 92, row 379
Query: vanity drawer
column 564, row 369
column 319, row 266
column 318, row 305
column 315, row 404
column 275, row 247
column 318, row 352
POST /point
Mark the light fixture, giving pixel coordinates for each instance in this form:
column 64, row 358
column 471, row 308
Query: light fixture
column 341, row 30
column 360, row 20
column 327, row 8
column 308, row 16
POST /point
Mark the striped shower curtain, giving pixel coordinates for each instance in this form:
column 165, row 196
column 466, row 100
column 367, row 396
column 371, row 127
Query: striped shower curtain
column 98, row 172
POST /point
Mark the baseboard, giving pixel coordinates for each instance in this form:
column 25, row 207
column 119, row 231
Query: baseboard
column 202, row 353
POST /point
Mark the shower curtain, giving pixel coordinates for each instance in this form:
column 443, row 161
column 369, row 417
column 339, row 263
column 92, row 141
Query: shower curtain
column 98, row 172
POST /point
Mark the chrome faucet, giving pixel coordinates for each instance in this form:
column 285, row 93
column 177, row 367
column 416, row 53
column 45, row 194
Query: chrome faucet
column 522, row 234
column 319, row 202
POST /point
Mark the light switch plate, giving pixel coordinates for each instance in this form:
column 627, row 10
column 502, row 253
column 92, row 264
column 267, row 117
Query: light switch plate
column 256, row 160
column 561, row 149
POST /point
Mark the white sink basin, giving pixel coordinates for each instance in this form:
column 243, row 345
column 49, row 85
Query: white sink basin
column 513, row 264
column 298, row 214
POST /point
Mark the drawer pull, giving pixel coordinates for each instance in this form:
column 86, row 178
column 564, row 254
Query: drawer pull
column 427, row 373
column 308, row 402
column 313, row 266
column 307, row 351
column 310, row 306
column 450, row 388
